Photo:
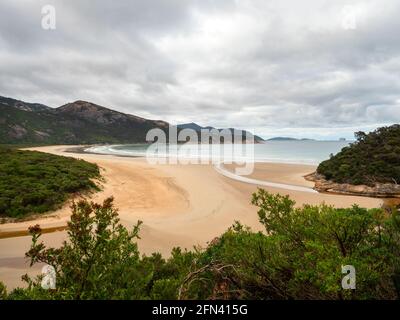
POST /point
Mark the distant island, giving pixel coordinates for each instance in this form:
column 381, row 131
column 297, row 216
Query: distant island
column 289, row 139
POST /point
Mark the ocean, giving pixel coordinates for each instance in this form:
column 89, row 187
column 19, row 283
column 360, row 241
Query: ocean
column 299, row 152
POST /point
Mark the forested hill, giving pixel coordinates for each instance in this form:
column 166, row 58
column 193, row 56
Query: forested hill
column 373, row 158
column 79, row 122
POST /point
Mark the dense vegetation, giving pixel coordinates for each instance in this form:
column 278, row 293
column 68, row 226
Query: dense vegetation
column 79, row 122
column 299, row 256
column 35, row 182
column 374, row 157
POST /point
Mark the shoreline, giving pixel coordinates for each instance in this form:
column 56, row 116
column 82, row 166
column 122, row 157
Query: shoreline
column 380, row 190
column 320, row 185
column 180, row 205
column 83, row 150
column 220, row 168
column 54, row 221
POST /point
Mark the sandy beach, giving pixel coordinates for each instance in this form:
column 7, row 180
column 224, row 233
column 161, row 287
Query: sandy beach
column 180, row 205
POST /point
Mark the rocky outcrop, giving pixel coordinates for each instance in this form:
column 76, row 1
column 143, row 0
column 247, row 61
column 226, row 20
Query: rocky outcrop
column 24, row 106
column 16, row 131
column 379, row 190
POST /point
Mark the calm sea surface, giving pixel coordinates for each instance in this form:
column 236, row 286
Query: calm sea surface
column 305, row 152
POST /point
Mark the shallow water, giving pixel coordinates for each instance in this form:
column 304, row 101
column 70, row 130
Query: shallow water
column 301, row 152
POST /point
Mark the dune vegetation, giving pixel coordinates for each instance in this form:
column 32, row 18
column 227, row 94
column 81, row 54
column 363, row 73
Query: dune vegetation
column 300, row 255
column 34, row 182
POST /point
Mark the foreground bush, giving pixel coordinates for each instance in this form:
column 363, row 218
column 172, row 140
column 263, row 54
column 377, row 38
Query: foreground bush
column 299, row 256
column 36, row 182
column 101, row 260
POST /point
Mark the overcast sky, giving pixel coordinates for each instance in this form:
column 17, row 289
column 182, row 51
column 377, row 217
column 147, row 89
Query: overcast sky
column 316, row 69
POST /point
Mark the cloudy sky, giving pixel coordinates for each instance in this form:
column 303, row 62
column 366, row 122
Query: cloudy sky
column 317, row 69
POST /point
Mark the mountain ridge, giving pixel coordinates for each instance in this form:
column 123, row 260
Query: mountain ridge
column 21, row 105
column 196, row 127
column 79, row 122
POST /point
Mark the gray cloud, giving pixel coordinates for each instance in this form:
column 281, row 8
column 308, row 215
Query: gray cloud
column 277, row 67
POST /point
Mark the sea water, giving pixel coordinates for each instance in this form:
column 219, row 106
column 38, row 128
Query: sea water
column 301, row 152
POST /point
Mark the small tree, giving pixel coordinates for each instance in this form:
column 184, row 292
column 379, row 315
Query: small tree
column 318, row 240
column 100, row 260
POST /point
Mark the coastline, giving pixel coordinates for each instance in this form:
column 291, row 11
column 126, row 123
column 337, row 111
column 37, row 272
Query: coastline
column 379, row 190
column 181, row 205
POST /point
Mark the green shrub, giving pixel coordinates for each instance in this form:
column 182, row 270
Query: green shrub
column 299, row 256
column 301, row 253
column 35, row 182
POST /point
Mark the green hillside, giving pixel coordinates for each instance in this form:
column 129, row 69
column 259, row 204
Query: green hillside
column 79, row 122
column 35, row 182
column 373, row 158
column 20, row 126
